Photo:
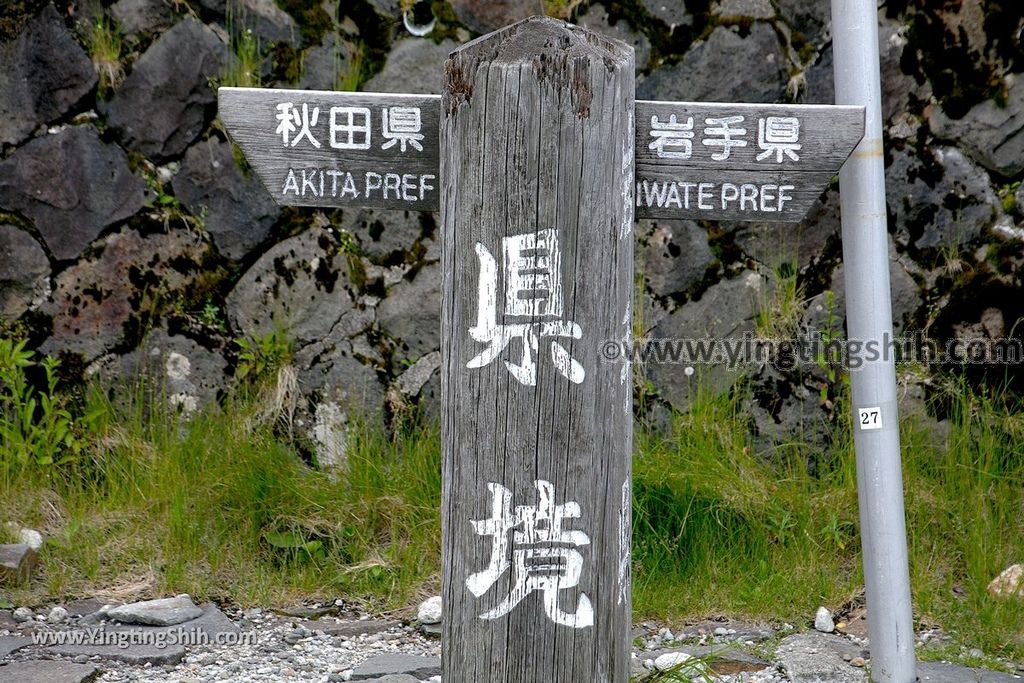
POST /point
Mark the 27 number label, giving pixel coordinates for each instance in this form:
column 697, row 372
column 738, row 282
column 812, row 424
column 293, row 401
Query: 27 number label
column 869, row 418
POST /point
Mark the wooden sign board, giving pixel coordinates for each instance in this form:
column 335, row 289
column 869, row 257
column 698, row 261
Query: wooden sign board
column 337, row 149
column 748, row 162
column 698, row 160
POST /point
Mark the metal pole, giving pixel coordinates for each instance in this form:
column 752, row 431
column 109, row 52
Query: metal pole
column 872, row 373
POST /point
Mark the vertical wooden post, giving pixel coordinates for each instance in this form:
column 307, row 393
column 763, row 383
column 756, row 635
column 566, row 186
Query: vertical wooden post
column 537, row 171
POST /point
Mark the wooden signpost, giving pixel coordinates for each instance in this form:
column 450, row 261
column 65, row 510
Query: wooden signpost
column 539, row 159
column 698, row 160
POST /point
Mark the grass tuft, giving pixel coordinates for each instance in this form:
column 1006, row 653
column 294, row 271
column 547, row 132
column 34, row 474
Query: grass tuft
column 104, row 42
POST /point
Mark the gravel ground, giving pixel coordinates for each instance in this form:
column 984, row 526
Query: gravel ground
column 317, row 644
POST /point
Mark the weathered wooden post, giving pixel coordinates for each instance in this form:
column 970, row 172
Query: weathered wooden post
column 537, row 177
column 535, row 161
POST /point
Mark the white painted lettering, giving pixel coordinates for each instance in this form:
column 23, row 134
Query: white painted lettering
column 704, row 192
column 350, row 187
column 686, row 193
column 353, row 123
column 730, row 193
column 424, row 186
column 783, row 197
column 334, row 173
column 392, row 181
column 290, row 183
column 408, row 183
column 673, row 197
column 307, row 181
column 373, row 182
column 655, row 193
column 767, row 196
column 748, row 193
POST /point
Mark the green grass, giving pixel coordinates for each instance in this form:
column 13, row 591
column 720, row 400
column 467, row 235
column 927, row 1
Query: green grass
column 243, row 66
column 212, row 508
column 104, row 42
column 223, row 506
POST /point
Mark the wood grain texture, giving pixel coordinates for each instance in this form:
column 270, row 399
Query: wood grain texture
column 827, row 136
column 250, row 116
column 537, row 134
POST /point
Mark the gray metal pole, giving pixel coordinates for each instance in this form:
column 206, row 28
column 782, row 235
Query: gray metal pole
column 872, row 373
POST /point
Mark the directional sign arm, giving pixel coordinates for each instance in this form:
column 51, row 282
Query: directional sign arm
column 698, row 160
column 336, row 149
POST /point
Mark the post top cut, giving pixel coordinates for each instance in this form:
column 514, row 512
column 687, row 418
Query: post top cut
column 542, row 38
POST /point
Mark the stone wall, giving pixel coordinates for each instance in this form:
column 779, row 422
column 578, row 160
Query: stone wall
column 132, row 237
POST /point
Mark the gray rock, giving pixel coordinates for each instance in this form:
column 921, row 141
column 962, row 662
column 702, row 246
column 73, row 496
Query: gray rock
column 264, row 18
column 411, row 313
column 823, row 621
column 430, row 398
column 1019, row 198
column 161, row 612
column 388, row 9
column 72, row 186
column 484, row 16
column 897, row 87
column 386, row 236
column 676, row 258
column 812, row 18
column 24, row 270
column 775, row 244
column 237, row 210
column 430, row 610
column 11, row 644
column 131, row 653
column 17, row 561
column 394, row 664
column 322, row 64
column 817, row 657
column 352, row 627
column 47, row 672
column 905, row 293
column 820, row 80
column 796, row 415
column 347, row 390
column 301, row 284
column 672, row 12
column 97, row 300
column 175, row 367
column 944, row 672
column 142, row 16
column 726, row 310
column 942, row 202
column 84, row 607
column 738, row 630
column 30, row 537
column 414, row 65
column 165, row 102
column 212, row 622
column 23, row 615
column 724, row 68
column 597, row 19
column 992, row 134
column 752, row 9
column 412, row 381
column 393, row 678
column 45, row 74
